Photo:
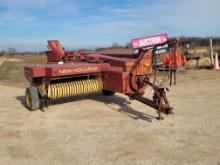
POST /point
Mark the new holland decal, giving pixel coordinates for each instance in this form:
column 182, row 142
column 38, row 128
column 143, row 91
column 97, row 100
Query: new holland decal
column 78, row 70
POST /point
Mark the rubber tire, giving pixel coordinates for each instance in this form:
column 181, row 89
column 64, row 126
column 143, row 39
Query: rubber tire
column 107, row 93
column 34, row 98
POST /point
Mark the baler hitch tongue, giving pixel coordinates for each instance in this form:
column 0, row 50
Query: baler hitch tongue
column 159, row 102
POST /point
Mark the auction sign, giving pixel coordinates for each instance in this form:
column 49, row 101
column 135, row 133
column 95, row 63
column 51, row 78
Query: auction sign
column 162, row 49
column 149, row 41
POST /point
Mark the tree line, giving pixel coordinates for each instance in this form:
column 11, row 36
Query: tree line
column 199, row 41
column 9, row 52
column 184, row 42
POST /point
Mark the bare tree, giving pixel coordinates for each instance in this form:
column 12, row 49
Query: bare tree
column 128, row 45
column 115, row 45
column 12, row 51
column 3, row 53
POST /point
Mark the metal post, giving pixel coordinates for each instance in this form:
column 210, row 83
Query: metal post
column 171, row 67
column 216, row 63
column 211, row 51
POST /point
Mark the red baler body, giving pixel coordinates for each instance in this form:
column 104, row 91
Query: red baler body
column 78, row 73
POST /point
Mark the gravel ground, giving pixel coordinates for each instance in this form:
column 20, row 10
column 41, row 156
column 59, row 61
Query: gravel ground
column 114, row 130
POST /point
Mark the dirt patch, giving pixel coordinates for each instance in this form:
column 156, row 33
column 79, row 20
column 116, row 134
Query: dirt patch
column 14, row 60
column 115, row 130
column 31, row 59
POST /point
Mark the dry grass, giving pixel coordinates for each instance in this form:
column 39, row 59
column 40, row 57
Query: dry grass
column 12, row 69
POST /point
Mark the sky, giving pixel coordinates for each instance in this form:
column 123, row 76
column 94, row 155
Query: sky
column 27, row 24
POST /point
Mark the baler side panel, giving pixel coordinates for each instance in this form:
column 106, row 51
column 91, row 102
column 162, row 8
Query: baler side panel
column 69, row 70
column 145, row 65
column 125, row 63
column 116, row 81
column 32, row 72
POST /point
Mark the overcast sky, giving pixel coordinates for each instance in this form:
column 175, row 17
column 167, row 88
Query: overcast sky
column 28, row 24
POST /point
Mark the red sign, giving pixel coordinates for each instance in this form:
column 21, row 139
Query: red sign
column 149, row 41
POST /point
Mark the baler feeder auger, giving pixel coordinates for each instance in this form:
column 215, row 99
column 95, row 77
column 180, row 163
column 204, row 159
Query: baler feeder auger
column 63, row 77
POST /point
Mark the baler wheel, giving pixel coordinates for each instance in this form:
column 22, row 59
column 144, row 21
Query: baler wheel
column 32, row 98
column 107, row 93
